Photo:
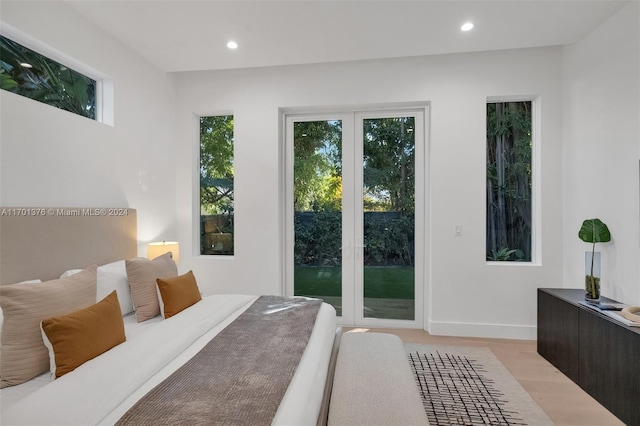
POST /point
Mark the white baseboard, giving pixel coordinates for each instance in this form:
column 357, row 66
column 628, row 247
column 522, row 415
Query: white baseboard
column 495, row 331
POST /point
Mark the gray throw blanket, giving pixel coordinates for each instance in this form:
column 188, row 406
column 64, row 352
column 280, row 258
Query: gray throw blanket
column 240, row 376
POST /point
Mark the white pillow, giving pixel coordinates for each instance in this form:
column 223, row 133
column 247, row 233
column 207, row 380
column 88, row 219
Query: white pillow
column 112, row 276
column 52, row 354
column 160, row 301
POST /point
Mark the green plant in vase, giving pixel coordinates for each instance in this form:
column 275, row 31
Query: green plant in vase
column 593, row 231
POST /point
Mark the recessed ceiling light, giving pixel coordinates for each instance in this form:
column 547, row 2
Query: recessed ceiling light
column 232, row 45
column 467, row 26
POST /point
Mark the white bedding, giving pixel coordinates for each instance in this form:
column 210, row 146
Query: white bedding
column 103, row 389
column 9, row 396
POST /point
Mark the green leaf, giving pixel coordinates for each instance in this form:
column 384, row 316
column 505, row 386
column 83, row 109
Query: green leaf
column 594, row 231
column 501, row 255
column 7, row 83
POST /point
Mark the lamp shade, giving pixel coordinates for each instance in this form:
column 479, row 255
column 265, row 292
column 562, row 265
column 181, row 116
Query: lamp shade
column 159, row 248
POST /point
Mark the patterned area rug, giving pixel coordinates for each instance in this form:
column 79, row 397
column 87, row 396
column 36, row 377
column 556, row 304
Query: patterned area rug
column 470, row 386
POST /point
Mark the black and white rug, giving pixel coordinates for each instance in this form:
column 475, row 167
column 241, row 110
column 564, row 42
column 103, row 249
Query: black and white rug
column 470, row 386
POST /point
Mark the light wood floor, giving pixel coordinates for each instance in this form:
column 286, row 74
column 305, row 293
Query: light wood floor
column 563, row 401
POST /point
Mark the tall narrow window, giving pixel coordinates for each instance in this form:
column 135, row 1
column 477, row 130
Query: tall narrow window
column 32, row 75
column 509, row 181
column 216, row 185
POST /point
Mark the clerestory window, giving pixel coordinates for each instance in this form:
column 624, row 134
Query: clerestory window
column 30, row 74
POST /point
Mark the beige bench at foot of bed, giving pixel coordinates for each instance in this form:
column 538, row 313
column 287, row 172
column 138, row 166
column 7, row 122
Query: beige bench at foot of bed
column 373, row 383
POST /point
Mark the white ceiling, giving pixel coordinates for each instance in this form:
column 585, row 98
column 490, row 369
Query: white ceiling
column 186, row 35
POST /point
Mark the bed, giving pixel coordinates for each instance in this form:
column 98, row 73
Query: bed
column 159, row 356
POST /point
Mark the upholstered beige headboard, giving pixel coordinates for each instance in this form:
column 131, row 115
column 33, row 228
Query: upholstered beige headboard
column 43, row 242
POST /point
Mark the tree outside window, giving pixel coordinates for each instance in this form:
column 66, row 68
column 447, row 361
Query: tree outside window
column 216, row 185
column 509, row 181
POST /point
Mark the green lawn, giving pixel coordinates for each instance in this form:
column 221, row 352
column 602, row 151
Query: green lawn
column 388, row 282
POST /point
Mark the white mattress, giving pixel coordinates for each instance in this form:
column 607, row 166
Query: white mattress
column 103, row 389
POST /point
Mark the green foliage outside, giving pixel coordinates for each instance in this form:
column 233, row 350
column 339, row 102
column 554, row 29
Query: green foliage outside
column 32, row 75
column 389, row 238
column 318, row 238
column 216, row 184
column 509, row 151
column 501, row 255
column 317, row 166
column 389, row 164
column 216, row 164
column 389, row 192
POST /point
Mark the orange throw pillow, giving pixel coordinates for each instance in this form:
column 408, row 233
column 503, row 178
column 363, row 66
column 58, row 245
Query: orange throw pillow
column 178, row 293
column 83, row 335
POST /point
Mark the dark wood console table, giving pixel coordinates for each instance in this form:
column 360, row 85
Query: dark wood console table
column 597, row 352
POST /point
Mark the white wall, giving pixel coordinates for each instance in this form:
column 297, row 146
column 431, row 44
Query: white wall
column 601, row 152
column 464, row 295
column 50, row 157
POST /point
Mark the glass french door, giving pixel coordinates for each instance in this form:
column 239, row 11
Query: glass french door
column 355, row 214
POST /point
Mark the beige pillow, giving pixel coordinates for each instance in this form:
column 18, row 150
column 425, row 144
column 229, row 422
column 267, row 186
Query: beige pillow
column 83, row 335
column 142, row 274
column 178, row 293
column 24, row 355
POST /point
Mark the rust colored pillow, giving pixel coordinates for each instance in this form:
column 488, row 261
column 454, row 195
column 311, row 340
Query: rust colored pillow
column 83, row 335
column 178, row 293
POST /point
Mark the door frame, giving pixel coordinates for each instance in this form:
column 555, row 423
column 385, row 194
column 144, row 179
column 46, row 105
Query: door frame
column 350, row 117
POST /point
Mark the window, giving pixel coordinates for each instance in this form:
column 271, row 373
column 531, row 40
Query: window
column 216, row 185
column 509, row 181
column 32, row 75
